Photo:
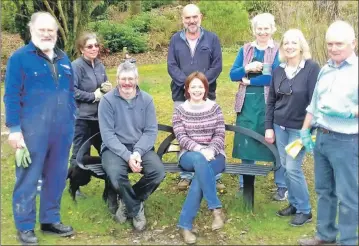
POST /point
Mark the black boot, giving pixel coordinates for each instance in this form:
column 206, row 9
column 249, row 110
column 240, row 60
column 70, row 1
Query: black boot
column 27, row 237
column 57, row 229
column 288, row 211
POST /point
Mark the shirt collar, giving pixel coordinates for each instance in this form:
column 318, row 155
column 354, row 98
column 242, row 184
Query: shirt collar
column 350, row 60
column 183, row 33
column 270, row 44
column 301, row 64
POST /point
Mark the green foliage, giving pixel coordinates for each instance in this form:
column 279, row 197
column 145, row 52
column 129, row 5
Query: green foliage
column 228, row 19
column 254, row 7
column 8, row 12
column 117, row 36
column 140, row 23
column 148, row 5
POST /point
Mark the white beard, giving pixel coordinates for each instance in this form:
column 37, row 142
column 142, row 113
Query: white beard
column 43, row 45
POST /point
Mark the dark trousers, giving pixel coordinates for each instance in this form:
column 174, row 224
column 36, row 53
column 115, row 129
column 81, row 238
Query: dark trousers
column 117, row 170
column 84, row 129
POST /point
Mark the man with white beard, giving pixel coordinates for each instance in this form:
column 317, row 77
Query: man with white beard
column 40, row 107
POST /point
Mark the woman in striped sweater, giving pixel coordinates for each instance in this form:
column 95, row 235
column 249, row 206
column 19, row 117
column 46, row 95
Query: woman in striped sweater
column 199, row 128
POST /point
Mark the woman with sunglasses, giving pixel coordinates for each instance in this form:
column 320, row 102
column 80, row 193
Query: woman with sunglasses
column 290, row 93
column 90, row 82
column 252, row 69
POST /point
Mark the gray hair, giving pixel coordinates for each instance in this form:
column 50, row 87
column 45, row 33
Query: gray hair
column 127, row 67
column 304, row 47
column 341, row 28
column 35, row 15
column 264, row 17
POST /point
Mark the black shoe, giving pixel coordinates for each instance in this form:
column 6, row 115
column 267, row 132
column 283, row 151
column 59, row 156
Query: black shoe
column 57, row 229
column 300, row 219
column 27, row 237
column 288, row 211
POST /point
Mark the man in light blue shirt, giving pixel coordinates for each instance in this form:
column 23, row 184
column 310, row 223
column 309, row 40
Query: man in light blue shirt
column 334, row 112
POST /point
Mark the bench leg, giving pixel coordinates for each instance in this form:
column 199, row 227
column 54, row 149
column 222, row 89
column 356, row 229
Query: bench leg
column 248, row 191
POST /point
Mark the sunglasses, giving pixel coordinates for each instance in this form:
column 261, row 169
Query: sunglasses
column 280, row 83
column 91, row 46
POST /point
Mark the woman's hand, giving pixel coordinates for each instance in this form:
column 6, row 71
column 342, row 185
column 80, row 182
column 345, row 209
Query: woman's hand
column 255, row 66
column 245, row 81
column 208, row 153
column 269, row 136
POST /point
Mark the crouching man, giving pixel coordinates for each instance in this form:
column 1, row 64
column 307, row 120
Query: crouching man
column 129, row 129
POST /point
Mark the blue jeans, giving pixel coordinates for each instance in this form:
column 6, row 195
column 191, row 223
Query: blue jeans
column 202, row 185
column 336, row 180
column 189, row 175
column 278, row 176
column 298, row 194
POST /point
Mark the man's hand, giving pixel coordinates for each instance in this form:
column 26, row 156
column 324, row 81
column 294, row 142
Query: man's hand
column 333, row 112
column 137, row 156
column 106, row 87
column 98, row 94
column 134, row 165
column 269, row 136
column 307, row 141
column 254, row 67
column 16, row 140
column 208, row 154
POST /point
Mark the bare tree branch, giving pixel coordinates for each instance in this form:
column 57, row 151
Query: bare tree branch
column 76, row 20
column 64, row 20
column 61, row 29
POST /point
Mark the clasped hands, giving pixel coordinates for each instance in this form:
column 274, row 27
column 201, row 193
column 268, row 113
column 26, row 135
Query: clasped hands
column 254, row 67
column 22, row 155
column 99, row 92
column 135, row 162
column 207, row 152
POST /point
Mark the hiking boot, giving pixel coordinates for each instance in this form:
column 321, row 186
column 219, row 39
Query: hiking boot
column 218, row 219
column 220, row 186
column 281, row 194
column 315, row 241
column 57, row 229
column 300, row 219
column 112, row 203
column 121, row 213
column 27, row 237
column 287, row 211
column 139, row 221
column 183, row 184
column 188, row 236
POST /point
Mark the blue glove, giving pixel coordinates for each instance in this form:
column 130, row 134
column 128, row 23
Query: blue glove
column 334, row 113
column 307, row 141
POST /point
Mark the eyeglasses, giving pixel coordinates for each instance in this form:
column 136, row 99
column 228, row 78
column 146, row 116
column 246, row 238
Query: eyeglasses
column 290, row 86
column 91, row 46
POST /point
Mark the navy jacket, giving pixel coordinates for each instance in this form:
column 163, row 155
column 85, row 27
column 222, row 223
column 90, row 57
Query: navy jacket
column 86, row 80
column 207, row 59
column 37, row 91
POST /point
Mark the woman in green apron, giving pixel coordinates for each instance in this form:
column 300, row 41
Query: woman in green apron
column 252, row 69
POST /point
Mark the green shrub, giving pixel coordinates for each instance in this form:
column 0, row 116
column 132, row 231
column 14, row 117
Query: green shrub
column 140, row 23
column 148, row 5
column 8, row 12
column 117, row 36
column 228, row 19
column 255, row 7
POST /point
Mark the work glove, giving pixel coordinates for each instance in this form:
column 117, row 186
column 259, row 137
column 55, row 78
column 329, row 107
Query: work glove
column 22, row 157
column 106, row 87
column 98, row 94
column 330, row 111
column 307, row 141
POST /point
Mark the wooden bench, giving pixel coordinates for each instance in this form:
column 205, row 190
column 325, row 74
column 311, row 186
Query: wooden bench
column 249, row 171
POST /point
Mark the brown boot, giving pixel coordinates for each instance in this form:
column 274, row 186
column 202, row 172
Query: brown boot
column 188, row 236
column 315, row 241
column 218, row 219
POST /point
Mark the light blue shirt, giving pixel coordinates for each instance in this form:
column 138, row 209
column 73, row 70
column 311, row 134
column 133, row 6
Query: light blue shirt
column 337, row 85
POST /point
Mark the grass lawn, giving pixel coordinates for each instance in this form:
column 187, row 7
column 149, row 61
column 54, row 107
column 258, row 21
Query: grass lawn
column 94, row 225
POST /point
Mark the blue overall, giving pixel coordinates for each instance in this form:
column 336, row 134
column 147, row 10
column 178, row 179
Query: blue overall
column 39, row 102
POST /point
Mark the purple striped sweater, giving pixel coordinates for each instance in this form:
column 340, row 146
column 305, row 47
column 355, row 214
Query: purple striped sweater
column 198, row 126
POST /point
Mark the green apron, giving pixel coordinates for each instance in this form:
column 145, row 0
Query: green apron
column 252, row 116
